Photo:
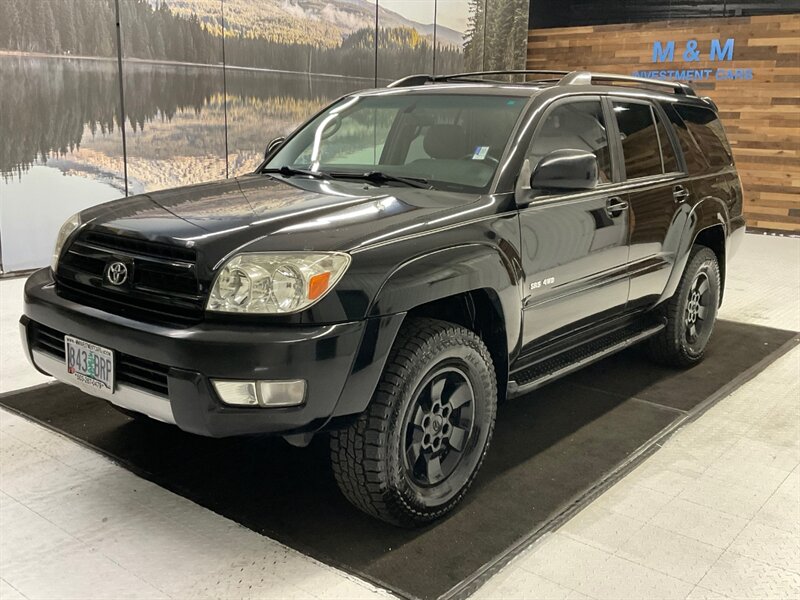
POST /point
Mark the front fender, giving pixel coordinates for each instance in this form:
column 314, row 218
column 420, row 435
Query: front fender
column 452, row 271
column 686, row 226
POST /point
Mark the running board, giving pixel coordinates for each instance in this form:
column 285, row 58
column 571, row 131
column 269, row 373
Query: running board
column 567, row 362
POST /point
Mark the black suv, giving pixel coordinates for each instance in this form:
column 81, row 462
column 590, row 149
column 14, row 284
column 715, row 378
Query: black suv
column 400, row 264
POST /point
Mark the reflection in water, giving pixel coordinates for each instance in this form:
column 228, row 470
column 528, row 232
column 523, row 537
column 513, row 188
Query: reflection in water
column 61, row 104
column 54, row 104
column 66, row 116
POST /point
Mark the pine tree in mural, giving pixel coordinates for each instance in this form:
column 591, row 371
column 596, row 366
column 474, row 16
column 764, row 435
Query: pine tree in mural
column 473, row 36
column 496, row 36
column 152, row 31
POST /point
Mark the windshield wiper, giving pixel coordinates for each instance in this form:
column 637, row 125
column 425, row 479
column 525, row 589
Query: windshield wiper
column 287, row 171
column 381, row 177
column 371, row 176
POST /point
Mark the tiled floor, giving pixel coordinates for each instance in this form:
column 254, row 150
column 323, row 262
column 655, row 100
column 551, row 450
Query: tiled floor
column 715, row 513
column 75, row 525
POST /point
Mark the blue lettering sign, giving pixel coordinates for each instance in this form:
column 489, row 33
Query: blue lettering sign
column 691, row 53
column 721, row 53
column 662, row 53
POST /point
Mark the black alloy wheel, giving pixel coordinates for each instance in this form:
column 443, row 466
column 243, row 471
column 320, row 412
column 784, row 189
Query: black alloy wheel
column 697, row 310
column 438, row 425
column 691, row 312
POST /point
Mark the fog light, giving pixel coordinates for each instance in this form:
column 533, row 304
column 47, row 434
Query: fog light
column 281, row 393
column 242, row 393
column 261, row 393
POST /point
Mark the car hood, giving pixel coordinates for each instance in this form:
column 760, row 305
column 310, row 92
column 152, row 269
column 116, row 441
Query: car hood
column 260, row 213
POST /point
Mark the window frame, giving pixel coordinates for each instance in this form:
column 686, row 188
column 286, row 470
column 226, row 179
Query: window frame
column 572, row 99
column 725, row 142
column 656, row 115
column 673, row 139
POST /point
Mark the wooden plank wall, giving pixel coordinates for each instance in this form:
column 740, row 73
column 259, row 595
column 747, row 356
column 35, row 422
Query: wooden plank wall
column 761, row 116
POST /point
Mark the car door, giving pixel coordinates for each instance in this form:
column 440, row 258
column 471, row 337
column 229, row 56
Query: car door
column 656, row 187
column 574, row 245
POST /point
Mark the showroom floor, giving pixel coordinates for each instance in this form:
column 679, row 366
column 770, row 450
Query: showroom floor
column 713, row 514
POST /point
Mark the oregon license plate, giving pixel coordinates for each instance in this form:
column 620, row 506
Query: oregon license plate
column 91, row 366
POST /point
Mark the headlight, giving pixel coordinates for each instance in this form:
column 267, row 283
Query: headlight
column 273, row 283
column 69, row 226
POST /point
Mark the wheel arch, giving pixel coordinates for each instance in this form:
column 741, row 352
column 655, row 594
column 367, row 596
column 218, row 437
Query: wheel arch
column 473, row 285
column 706, row 223
column 481, row 312
column 713, row 237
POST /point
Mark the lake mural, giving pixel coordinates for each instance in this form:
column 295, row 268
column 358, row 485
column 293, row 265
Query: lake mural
column 207, row 83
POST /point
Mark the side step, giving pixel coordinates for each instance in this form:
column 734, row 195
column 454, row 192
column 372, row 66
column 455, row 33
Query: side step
column 571, row 360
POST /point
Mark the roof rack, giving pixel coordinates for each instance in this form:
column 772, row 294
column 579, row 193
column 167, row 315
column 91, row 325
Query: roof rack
column 559, row 77
column 588, row 78
column 472, row 77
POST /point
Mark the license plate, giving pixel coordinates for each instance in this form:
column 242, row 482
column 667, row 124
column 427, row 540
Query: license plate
column 90, row 366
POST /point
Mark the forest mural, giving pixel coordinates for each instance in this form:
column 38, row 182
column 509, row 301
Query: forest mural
column 187, row 65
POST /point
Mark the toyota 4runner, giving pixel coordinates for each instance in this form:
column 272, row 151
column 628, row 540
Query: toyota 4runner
column 400, row 264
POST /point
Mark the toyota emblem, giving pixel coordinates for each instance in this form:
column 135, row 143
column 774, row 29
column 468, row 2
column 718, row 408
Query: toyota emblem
column 117, row 273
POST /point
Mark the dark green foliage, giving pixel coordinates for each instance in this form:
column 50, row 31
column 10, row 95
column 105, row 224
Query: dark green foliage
column 153, row 32
column 59, row 26
column 497, row 33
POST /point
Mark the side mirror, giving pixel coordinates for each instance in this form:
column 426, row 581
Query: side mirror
column 567, row 169
column 273, row 146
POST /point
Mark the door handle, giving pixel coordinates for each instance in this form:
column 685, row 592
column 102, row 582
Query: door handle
column 680, row 193
column 615, row 206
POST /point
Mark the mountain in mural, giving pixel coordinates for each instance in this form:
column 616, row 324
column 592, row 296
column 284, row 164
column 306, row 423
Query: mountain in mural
column 317, row 22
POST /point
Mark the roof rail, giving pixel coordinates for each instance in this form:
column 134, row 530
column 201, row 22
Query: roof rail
column 412, row 80
column 561, row 77
column 588, row 78
column 472, row 77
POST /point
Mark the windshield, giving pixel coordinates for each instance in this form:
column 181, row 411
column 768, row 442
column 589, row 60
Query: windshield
column 450, row 141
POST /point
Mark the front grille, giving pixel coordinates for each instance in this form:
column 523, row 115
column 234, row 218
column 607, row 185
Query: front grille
column 162, row 286
column 142, row 373
column 133, row 371
column 48, row 340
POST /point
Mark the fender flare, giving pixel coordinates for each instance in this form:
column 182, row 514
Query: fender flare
column 706, row 213
column 452, row 271
column 429, row 277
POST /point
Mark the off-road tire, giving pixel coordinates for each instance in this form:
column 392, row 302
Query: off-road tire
column 370, row 458
column 674, row 345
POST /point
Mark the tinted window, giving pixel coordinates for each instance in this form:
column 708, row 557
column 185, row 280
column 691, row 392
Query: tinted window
column 637, row 132
column 706, row 129
column 576, row 126
column 695, row 161
column 667, row 150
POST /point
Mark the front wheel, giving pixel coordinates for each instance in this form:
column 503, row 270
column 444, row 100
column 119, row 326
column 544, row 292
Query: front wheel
column 412, row 455
column 690, row 313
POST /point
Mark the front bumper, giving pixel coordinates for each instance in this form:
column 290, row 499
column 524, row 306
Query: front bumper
column 341, row 363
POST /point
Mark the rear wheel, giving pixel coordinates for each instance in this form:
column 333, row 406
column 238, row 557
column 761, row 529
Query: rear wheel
column 690, row 313
column 412, row 455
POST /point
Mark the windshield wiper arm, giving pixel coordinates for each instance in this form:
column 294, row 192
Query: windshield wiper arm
column 381, row 177
column 287, row 171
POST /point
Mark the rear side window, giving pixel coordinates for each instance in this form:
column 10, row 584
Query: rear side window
column 639, row 139
column 706, row 128
column 694, row 157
